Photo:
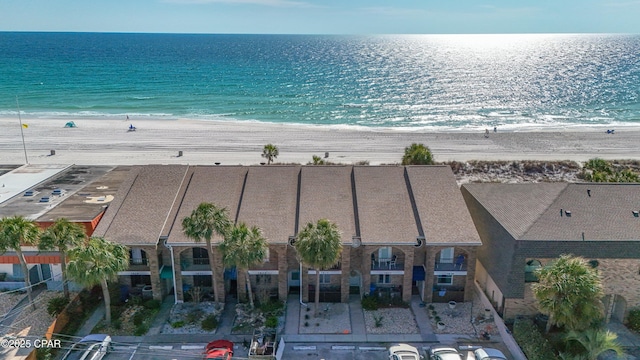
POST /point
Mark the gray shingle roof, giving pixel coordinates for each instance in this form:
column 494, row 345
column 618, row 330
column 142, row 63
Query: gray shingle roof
column 605, row 215
column 384, row 207
column 219, row 185
column 325, row 192
column 141, row 215
column 269, row 201
column 516, row 206
column 443, row 213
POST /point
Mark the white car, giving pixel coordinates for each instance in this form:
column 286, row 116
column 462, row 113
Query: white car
column 90, row 347
column 444, row 353
column 403, row 352
column 489, row 354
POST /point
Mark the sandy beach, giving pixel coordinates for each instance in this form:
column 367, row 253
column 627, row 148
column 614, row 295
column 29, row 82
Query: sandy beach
column 108, row 142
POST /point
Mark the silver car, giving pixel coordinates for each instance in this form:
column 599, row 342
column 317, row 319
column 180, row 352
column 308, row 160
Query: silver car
column 444, row 353
column 489, row 354
column 90, row 347
column 403, row 352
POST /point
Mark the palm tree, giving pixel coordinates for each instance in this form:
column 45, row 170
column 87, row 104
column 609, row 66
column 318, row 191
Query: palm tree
column 63, row 235
column 270, row 152
column 244, row 248
column 96, row 262
column 205, row 221
column 417, row 154
column 14, row 232
column 595, row 342
column 319, row 246
column 569, row 292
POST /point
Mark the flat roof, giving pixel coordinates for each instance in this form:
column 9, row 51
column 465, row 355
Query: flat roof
column 443, row 213
column 69, row 181
column 384, row 207
column 269, row 201
column 92, row 199
column 326, row 193
column 15, row 182
column 219, row 185
column 141, row 215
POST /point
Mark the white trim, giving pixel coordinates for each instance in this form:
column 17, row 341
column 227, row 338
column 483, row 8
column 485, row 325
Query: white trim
column 128, row 273
column 327, row 272
column 263, row 272
column 191, row 273
column 452, row 273
column 387, row 272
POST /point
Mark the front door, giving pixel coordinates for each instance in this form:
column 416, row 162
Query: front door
column 294, row 281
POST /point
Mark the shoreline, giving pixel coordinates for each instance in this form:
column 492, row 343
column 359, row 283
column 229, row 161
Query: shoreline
column 107, row 142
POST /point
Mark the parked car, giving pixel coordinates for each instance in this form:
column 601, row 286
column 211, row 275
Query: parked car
column 489, row 354
column 403, row 352
column 90, row 347
column 444, row 353
column 219, row 350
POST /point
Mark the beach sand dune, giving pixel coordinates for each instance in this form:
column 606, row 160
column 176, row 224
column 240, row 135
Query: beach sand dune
column 108, row 142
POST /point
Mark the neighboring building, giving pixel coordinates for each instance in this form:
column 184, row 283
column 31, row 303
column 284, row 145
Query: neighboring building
column 398, row 224
column 526, row 226
column 45, row 193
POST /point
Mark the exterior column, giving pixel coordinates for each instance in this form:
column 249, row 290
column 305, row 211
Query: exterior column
column 469, row 287
column 283, row 286
column 218, row 272
column 306, row 281
column 345, row 268
column 430, row 267
column 408, row 273
column 366, row 269
column 154, row 269
column 177, row 272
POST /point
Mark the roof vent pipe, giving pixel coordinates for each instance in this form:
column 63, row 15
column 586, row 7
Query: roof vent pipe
column 583, row 236
column 635, row 213
column 560, row 212
column 589, row 192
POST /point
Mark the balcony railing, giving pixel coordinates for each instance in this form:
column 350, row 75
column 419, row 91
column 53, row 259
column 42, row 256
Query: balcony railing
column 138, row 262
column 200, row 261
column 387, row 265
column 440, row 266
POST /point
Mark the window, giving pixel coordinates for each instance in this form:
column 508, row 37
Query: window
column 529, row 270
column 445, row 279
column 325, row 279
column 202, row 280
column 384, row 252
column 446, row 255
column 295, row 276
column 384, row 279
column 200, row 256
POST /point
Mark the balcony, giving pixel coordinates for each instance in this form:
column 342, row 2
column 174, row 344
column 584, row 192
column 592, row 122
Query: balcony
column 195, row 264
column 138, row 264
column 386, row 265
column 450, row 266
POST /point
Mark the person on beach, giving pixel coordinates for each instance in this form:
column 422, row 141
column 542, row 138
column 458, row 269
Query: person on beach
column 486, row 133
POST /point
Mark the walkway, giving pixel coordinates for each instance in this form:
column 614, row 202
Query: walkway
column 356, row 313
column 228, row 314
column 422, row 319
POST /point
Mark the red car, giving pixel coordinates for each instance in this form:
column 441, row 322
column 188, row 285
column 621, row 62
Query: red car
column 219, row 350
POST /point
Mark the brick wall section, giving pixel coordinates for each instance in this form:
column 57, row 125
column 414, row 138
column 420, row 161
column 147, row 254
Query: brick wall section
column 283, row 286
column 177, row 270
column 408, row 272
column 471, row 272
column 429, row 269
column 346, row 270
column 218, row 273
column 154, row 267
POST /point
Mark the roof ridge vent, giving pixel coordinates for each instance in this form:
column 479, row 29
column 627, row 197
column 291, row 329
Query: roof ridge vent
column 568, row 213
column 635, row 213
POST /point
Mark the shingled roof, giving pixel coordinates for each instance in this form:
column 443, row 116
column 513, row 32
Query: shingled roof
column 326, row 193
column 269, row 201
column 384, row 208
column 516, row 206
column 600, row 212
column 139, row 211
column 443, row 213
column 219, row 185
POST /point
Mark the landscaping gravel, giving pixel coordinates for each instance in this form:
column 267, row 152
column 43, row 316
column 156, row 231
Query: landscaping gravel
column 191, row 323
column 8, row 301
column 466, row 318
column 335, row 320
column 35, row 322
column 393, row 321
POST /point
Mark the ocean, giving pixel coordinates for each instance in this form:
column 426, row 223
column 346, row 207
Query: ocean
column 417, row 82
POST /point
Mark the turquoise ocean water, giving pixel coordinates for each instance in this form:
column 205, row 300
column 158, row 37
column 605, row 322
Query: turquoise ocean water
column 435, row 82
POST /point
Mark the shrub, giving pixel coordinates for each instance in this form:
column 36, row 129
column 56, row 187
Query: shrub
column 370, row 303
column 141, row 329
column 152, row 304
column 271, row 322
column 194, row 315
column 138, row 318
column 116, row 324
column 378, row 320
column 209, row 323
column 430, row 307
column 56, row 305
column 177, row 324
column 306, row 323
column 306, row 316
column 633, row 319
column 531, row 341
column 272, row 308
